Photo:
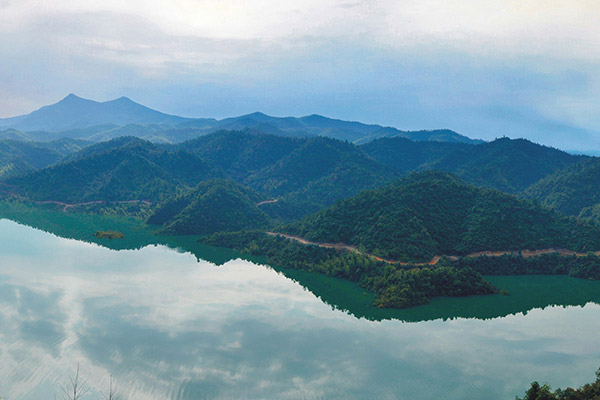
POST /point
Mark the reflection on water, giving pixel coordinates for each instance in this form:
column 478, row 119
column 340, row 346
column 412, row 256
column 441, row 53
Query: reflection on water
column 526, row 293
column 166, row 325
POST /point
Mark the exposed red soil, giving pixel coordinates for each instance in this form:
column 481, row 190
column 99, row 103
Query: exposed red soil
column 436, row 259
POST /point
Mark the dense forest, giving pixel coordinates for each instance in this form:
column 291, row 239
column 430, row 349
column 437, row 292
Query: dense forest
column 133, row 170
column 572, row 191
column 586, row 267
column 18, row 157
column 504, row 164
column 433, row 213
column 303, row 174
column 212, row 206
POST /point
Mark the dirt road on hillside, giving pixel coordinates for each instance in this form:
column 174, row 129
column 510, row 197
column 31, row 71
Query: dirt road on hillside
column 436, row 259
column 66, row 206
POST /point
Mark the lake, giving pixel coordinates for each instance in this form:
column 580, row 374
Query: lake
column 168, row 323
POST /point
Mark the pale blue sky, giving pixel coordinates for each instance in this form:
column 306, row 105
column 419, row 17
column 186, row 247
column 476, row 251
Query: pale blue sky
column 483, row 68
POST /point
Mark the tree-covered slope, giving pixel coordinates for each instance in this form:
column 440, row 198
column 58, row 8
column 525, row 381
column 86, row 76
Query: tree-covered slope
column 323, row 169
column 240, row 153
column 504, row 164
column 125, row 169
column 303, row 174
column 406, row 155
column 433, row 213
column 571, row 191
column 212, row 206
column 19, row 157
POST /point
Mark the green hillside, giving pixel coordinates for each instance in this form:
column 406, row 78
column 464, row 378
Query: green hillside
column 18, row 157
column 504, row 164
column 432, row 213
column 241, row 153
column 124, row 169
column 406, row 155
column 212, row 206
column 571, row 191
column 321, row 171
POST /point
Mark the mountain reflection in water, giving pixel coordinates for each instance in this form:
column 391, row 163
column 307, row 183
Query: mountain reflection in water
column 167, row 325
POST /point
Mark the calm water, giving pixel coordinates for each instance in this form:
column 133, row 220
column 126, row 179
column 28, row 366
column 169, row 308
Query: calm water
column 168, row 325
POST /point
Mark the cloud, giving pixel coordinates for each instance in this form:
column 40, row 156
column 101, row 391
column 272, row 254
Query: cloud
column 412, row 64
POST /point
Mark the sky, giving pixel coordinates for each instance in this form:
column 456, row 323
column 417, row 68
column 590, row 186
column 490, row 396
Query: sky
column 485, row 69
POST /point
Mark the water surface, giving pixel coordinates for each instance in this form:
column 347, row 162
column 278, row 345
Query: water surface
column 167, row 324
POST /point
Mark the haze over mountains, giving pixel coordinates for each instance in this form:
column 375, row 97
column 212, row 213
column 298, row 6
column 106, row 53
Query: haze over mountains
column 392, row 195
column 74, row 112
column 305, row 163
column 75, row 117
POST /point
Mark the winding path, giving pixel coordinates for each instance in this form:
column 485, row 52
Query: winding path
column 66, row 206
column 436, row 259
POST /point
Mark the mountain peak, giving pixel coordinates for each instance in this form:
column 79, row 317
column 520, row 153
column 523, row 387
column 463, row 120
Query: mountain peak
column 71, row 97
column 259, row 116
column 123, row 99
column 74, row 112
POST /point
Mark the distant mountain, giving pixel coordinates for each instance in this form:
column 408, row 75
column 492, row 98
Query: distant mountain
column 432, row 213
column 574, row 190
column 437, row 135
column 122, row 169
column 13, row 134
column 510, row 165
column 317, row 125
column 75, row 117
column 212, row 206
column 73, row 112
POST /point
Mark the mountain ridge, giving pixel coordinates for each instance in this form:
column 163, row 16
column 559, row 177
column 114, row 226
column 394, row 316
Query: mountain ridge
column 74, row 113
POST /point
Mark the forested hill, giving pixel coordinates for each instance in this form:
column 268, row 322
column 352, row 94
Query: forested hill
column 510, row 165
column 19, row 157
column 433, row 213
column 303, row 174
column 341, row 164
column 572, row 191
column 241, row 153
column 125, row 169
column 212, row 206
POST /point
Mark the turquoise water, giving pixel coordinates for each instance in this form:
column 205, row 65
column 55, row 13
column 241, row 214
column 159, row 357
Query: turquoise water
column 168, row 325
